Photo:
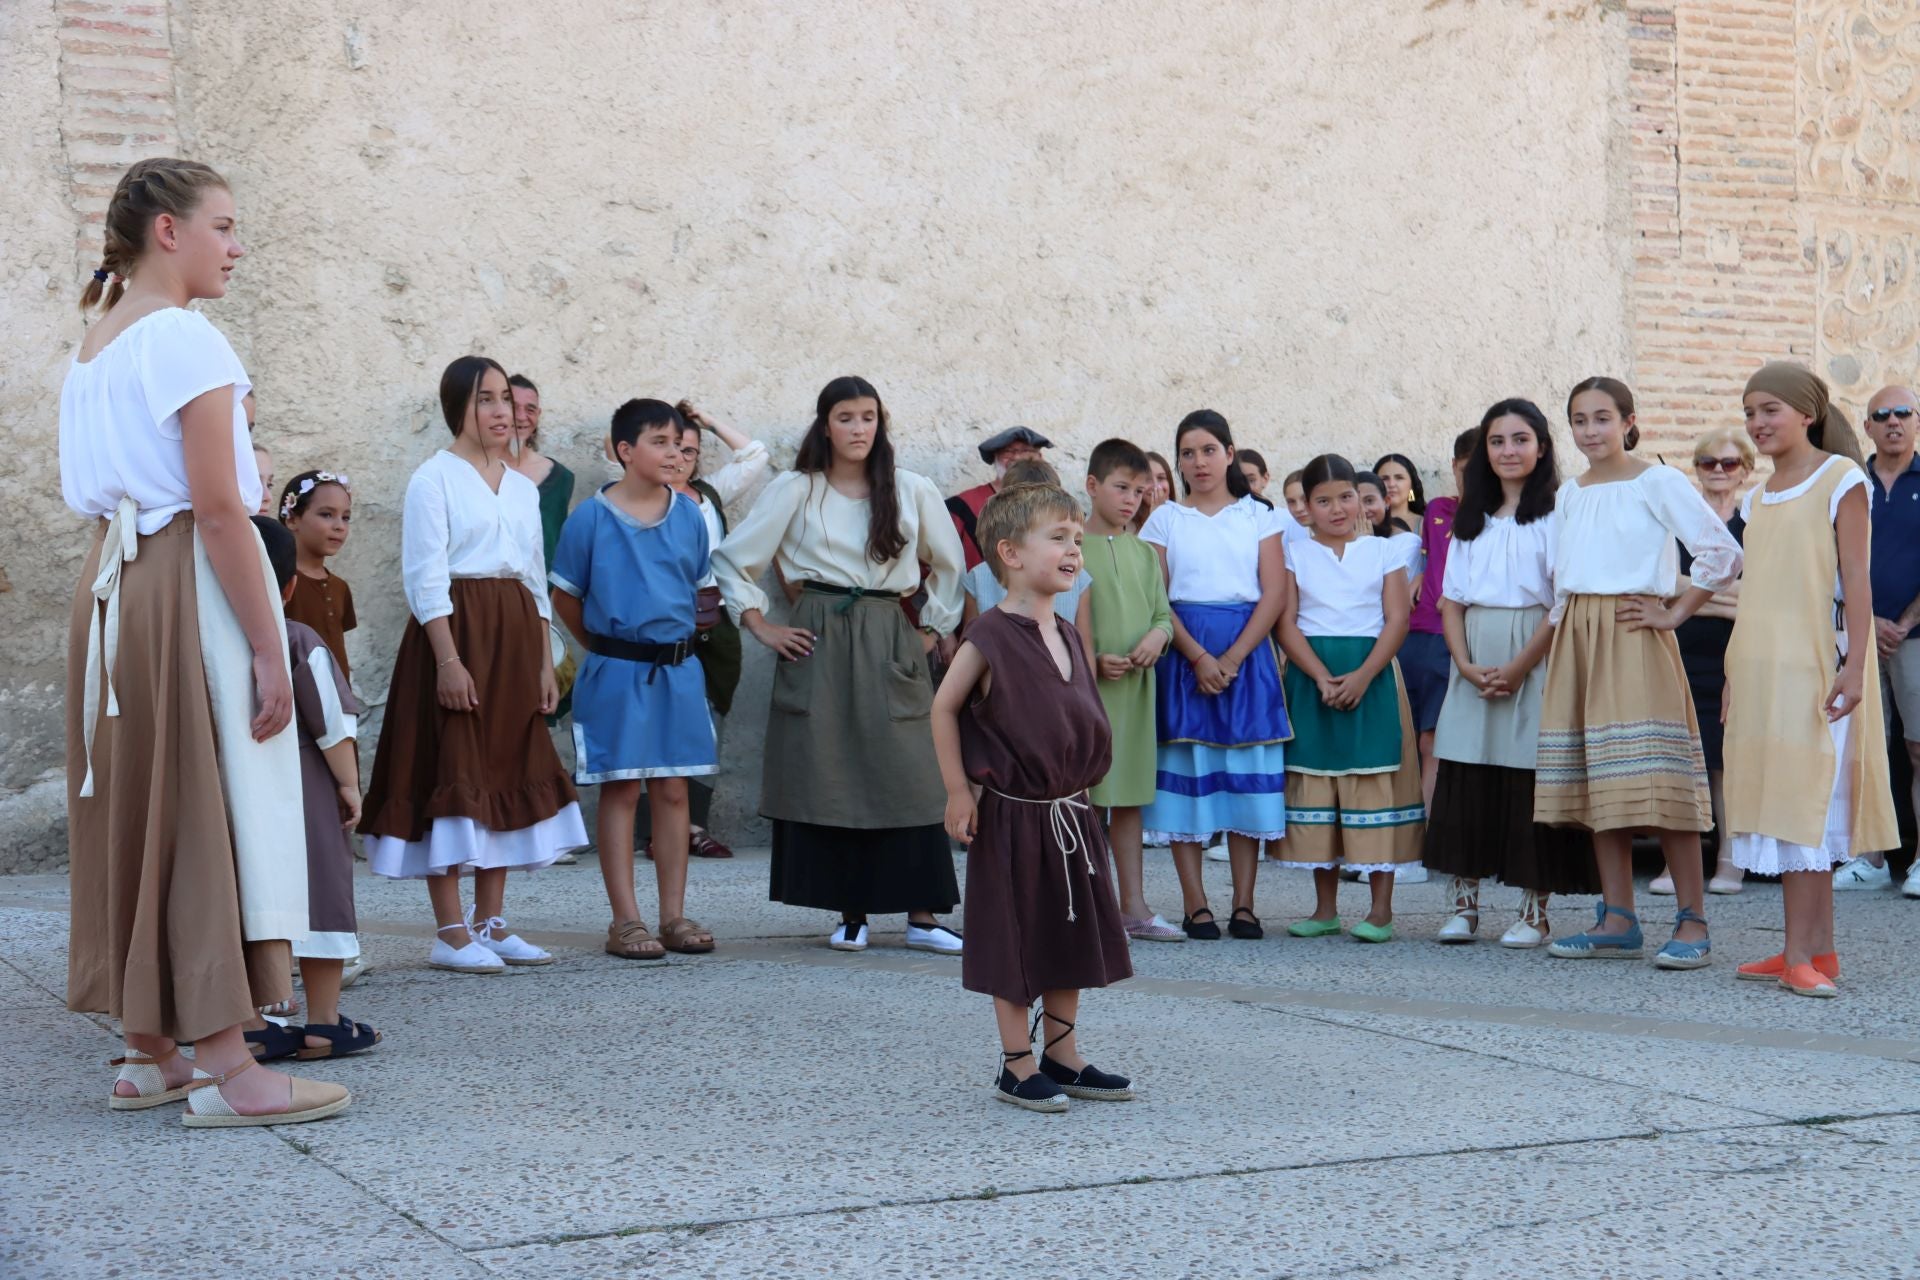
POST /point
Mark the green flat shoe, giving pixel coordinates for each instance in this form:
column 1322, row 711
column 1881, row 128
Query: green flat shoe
column 1365, row 932
column 1314, row 928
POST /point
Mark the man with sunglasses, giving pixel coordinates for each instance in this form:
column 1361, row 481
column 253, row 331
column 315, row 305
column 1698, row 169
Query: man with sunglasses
column 1893, row 418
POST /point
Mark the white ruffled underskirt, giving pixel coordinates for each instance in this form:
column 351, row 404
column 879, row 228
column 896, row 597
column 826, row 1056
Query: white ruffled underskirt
column 1183, row 837
column 1364, row 868
column 461, row 844
column 1766, row 856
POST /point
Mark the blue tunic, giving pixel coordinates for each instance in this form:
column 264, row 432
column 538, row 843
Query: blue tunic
column 636, row 582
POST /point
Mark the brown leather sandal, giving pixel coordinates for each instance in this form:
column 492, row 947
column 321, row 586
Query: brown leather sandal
column 688, row 937
column 632, row 940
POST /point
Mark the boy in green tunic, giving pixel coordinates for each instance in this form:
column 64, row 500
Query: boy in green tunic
column 1131, row 626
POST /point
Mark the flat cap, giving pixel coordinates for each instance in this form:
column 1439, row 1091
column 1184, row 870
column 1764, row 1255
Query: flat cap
column 1012, row 435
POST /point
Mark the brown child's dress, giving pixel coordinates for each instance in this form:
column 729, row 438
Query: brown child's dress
column 1041, row 910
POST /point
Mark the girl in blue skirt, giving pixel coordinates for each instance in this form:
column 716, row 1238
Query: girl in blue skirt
column 1221, row 718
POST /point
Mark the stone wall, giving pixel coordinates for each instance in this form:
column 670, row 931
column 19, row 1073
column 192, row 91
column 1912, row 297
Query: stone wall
column 1776, row 179
column 1345, row 226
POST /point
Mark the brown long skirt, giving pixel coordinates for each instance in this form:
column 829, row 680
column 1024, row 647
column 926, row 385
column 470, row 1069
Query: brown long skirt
column 155, row 936
column 495, row 766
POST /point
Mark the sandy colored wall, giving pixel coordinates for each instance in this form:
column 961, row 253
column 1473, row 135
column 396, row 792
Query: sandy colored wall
column 1344, row 228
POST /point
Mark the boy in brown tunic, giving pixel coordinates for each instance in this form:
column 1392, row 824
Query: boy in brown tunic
column 1019, row 717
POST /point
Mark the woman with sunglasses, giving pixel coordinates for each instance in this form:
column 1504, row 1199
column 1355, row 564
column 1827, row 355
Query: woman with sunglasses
column 1723, row 464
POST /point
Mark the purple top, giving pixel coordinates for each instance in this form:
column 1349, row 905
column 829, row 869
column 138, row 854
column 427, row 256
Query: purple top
column 1436, row 536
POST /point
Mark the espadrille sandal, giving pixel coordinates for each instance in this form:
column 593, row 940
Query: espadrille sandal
column 144, row 1074
column 207, row 1108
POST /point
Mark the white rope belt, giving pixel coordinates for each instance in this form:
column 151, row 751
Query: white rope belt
column 121, row 544
column 1066, row 836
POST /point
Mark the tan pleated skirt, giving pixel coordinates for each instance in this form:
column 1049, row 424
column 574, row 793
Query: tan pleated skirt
column 155, row 936
column 1619, row 740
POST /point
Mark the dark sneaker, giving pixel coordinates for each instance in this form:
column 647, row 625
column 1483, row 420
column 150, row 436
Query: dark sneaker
column 1089, row 1082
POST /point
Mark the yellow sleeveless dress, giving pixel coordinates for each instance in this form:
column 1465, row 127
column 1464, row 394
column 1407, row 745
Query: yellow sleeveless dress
column 1802, row 794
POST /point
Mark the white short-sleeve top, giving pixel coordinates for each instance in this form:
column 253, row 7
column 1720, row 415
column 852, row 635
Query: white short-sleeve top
column 454, row 525
column 1214, row 559
column 120, row 418
column 1509, row 566
column 1617, row 538
column 1413, row 556
column 1340, row 593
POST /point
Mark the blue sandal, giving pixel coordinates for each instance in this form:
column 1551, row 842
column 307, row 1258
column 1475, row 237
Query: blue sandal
column 344, row 1039
column 1685, row 955
column 1603, row 946
column 274, row 1042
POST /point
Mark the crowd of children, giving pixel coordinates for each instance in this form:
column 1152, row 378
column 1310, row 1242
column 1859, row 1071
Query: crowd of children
column 1355, row 681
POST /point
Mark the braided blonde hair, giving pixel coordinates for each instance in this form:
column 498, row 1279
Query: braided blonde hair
column 148, row 189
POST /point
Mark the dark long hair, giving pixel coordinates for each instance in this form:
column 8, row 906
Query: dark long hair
column 1481, row 493
column 460, row 385
column 885, row 541
column 1418, row 502
column 1385, row 528
column 1216, row 426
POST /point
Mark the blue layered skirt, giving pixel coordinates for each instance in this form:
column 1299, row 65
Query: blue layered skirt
column 1221, row 764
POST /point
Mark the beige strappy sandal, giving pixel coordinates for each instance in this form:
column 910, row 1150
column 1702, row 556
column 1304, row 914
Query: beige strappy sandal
column 145, row 1075
column 310, row 1100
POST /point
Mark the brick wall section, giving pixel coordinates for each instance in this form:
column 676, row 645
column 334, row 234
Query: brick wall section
column 1729, row 281
column 117, row 102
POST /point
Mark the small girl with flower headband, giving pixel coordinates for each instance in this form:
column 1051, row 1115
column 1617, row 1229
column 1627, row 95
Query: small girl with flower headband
column 317, row 506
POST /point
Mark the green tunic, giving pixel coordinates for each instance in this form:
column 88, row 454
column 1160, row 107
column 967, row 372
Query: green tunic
column 1128, row 599
column 556, row 495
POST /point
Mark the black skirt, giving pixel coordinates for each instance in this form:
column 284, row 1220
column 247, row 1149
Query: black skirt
column 863, row 871
column 1480, row 826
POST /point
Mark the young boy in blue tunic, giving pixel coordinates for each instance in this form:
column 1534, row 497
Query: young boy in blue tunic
column 624, row 576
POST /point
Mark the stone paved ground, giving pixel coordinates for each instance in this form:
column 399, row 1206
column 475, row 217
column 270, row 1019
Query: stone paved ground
column 1307, row 1109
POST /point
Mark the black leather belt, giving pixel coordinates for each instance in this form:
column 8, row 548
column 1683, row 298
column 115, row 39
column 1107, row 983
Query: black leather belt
column 655, row 655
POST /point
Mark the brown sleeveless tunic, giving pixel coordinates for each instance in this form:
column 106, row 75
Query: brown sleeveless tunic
column 1041, row 910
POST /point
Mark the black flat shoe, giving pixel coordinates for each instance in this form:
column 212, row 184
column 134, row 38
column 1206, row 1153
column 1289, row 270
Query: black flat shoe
column 1199, row 930
column 1036, row 1093
column 1089, row 1082
column 1248, row 929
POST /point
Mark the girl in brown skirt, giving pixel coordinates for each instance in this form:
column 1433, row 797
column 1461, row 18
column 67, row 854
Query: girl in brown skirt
column 183, row 770
column 1018, row 715
column 465, row 776
column 1495, row 595
column 1619, row 744
column 851, row 783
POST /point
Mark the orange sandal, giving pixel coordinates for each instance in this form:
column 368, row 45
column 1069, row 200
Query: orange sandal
column 1770, row 969
column 1805, row 980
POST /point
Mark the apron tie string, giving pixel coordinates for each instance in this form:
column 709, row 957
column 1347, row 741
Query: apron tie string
column 1066, row 836
column 121, row 544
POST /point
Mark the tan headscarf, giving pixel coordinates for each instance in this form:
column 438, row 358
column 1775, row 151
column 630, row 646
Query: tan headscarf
column 1802, row 388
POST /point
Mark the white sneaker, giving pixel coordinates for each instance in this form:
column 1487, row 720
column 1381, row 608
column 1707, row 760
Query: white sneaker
column 936, row 938
column 1523, row 936
column 849, row 937
column 1219, row 853
column 1416, row 876
column 510, row 947
column 1858, row 873
column 1458, row 930
column 352, row 971
column 1911, row 885
column 472, row 958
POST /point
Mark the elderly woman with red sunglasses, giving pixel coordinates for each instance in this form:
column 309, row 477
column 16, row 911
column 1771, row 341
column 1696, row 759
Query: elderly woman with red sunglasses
column 1722, row 464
